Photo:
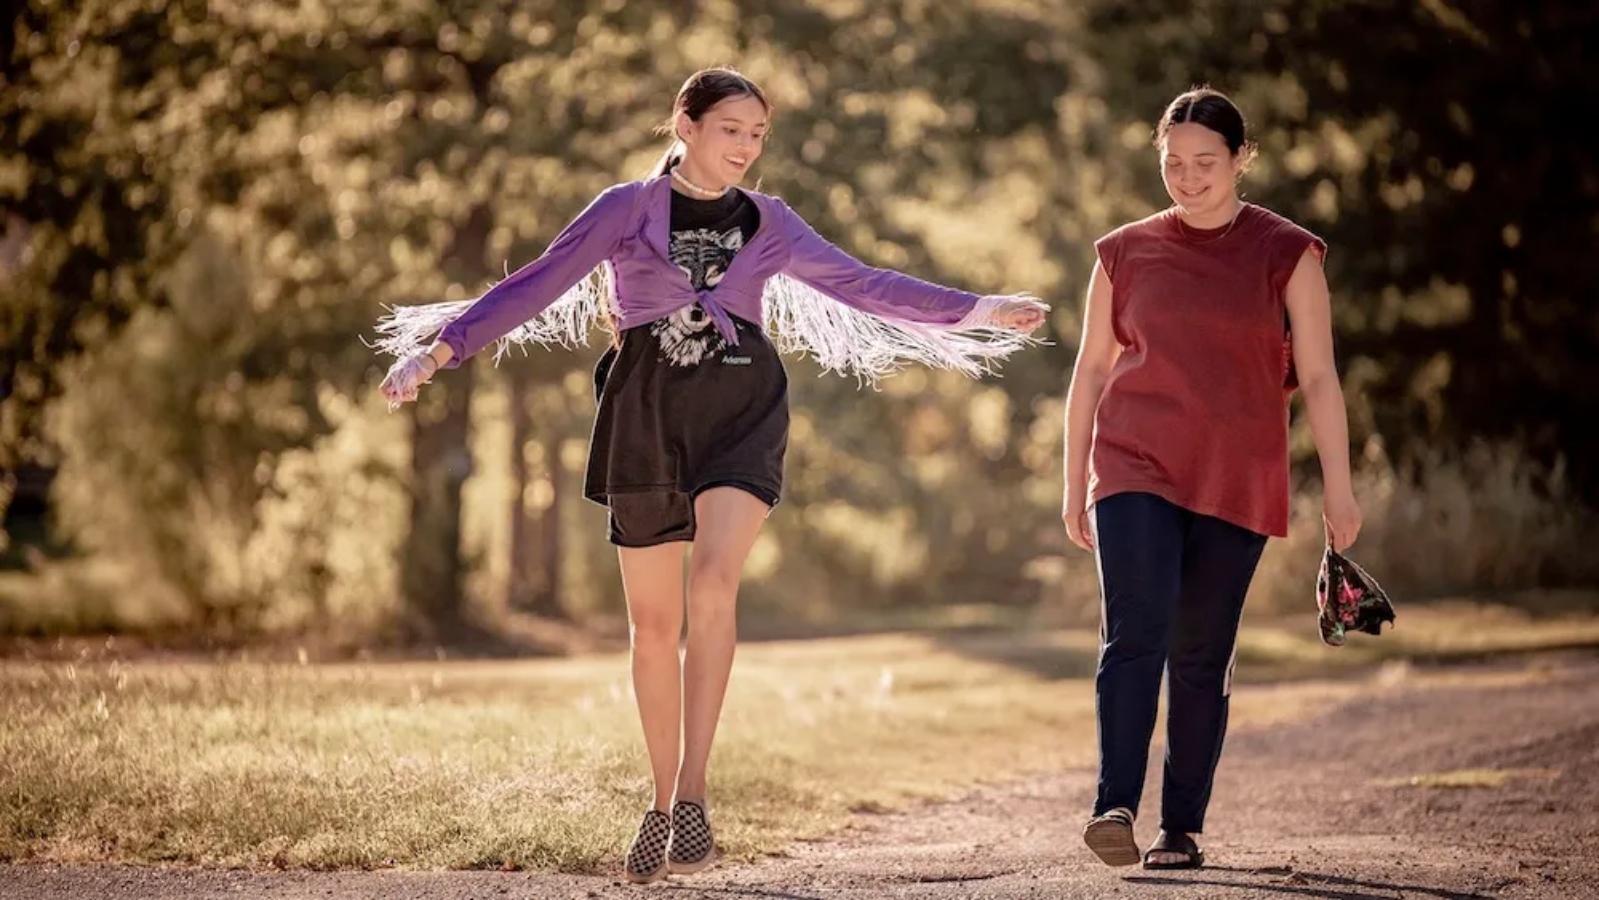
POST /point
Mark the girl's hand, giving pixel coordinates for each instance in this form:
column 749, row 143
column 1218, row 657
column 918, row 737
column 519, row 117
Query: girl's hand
column 1020, row 312
column 406, row 378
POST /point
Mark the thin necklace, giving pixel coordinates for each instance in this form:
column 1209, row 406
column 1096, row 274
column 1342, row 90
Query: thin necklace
column 1184, row 228
column 696, row 189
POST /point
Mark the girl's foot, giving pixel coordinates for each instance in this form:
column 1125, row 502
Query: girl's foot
column 693, row 848
column 646, row 859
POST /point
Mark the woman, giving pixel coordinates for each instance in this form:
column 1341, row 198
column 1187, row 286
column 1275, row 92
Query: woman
column 1201, row 320
column 692, row 423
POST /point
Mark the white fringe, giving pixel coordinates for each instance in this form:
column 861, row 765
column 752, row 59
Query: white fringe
column 408, row 330
column 799, row 319
column 841, row 338
column 571, row 318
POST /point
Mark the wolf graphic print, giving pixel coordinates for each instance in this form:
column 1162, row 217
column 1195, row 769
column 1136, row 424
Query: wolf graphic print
column 703, row 254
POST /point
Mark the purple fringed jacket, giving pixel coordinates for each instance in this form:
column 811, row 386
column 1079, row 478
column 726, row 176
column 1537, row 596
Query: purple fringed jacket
column 809, row 294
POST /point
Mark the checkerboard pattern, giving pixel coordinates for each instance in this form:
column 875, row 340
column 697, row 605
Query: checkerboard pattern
column 646, row 859
column 692, row 843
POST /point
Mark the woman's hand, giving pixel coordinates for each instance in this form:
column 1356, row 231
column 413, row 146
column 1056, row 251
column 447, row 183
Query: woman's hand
column 1020, row 312
column 1341, row 516
column 1078, row 529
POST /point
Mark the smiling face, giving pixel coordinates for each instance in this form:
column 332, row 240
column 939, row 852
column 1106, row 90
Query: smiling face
column 1200, row 172
column 725, row 142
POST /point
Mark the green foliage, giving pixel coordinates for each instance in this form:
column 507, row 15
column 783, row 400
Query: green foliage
column 255, row 505
column 215, row 200
column 1438, row 147
column 86, row 191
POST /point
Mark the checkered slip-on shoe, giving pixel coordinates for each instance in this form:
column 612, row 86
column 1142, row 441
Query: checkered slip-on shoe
column 646, row 859
column 692, row 848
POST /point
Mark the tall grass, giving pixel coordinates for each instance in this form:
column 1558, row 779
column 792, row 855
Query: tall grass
column 1490, row 523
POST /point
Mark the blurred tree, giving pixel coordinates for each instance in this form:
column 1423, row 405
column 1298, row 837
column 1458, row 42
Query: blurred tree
column 1438, row 146
column 538, row 493
column 535, row 533
column 363, row 153
column 218, row 197
column 86, row 191
column 925, row 137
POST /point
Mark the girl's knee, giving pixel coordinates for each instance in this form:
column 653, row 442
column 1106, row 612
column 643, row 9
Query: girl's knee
column 714, row 577
column 656, row 628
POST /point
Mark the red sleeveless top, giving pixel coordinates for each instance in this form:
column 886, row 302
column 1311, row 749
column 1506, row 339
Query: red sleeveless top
column 1196, row 407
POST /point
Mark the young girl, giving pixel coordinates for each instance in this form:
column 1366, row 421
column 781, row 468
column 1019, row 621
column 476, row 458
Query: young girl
column 692, row 423
column 1201, row 320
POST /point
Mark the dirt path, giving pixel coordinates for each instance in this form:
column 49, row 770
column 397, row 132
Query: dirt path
column 1319, row 809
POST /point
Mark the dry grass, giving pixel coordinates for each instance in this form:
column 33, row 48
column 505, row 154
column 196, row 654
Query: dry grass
column 1469, row 778
column 538, row 764
column 1489, row 522
column 534, row 764
column 1277, row 646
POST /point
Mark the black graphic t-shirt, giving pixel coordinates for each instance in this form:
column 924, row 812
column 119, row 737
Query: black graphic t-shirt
column 679, row 409
column 706, row 235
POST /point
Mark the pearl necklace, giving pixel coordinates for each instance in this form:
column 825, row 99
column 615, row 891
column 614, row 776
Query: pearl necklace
column 696, row 189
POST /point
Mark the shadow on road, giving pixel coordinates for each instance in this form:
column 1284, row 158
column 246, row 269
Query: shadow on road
column 1305, row 884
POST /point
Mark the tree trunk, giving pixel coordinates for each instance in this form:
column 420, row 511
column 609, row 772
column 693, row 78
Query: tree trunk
column 534, row 585
column 433, row 572
column 549, row 602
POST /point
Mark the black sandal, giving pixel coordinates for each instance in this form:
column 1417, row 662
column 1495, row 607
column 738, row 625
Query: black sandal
column 1181, row 843
column 1110, row 836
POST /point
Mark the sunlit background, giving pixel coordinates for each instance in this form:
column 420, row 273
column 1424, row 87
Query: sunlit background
column 206, row 205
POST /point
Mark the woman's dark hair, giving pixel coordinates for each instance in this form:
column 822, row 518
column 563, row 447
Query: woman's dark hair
column 1214, row 110
column 703, row 90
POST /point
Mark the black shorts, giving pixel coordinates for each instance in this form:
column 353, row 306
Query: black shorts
column 647, row 518
column 680, row 412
